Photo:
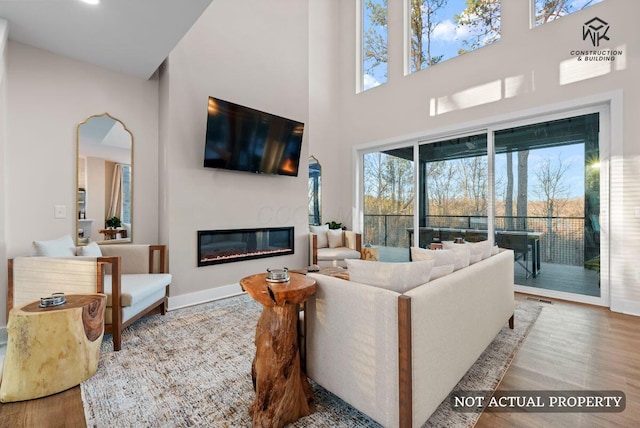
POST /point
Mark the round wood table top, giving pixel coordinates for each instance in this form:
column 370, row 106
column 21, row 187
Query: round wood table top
column 295, row 291
column 73, row 301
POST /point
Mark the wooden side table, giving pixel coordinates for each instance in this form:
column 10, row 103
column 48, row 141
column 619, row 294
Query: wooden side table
column 283, row 393
column 52, row 349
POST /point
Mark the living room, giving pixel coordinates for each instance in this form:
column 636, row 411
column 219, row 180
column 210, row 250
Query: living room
column 296, row 59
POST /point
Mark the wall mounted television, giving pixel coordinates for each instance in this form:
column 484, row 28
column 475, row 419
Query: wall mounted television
column 244, row 139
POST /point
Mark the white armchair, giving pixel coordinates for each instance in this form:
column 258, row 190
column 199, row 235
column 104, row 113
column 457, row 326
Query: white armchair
column 134, row 278
column 334, row 250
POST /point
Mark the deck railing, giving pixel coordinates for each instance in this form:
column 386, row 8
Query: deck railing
column 563, row 238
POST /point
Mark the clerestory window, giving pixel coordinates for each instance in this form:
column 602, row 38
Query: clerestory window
column 443, row 29
column 374, row 43
column 550, row 10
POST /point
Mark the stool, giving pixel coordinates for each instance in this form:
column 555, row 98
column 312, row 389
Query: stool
column 52, row 349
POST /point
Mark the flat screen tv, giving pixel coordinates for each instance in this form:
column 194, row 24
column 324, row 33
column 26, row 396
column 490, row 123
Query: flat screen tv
column 244, row 139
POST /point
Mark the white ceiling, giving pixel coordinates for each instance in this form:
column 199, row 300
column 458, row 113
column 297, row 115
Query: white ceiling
column 130, row 36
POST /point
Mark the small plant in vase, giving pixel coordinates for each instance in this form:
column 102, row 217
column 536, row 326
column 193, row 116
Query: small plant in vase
column 334, row 225
column 113, row 222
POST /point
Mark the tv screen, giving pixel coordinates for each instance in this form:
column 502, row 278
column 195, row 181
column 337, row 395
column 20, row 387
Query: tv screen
column 244, row 139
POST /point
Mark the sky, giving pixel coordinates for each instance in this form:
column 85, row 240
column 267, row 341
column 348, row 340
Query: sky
column 448, row 37
column 572, row 158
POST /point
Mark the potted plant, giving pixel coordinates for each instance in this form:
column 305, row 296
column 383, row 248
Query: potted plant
column 113, row 222
column 334, row 225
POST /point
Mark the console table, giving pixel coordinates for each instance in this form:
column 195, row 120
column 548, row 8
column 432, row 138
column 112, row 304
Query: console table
column 283, row 393
column 112, row 233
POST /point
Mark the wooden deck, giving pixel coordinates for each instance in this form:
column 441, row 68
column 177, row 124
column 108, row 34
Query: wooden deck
column 570, row 279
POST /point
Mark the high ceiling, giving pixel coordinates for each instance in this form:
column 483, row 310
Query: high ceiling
column 130, row 36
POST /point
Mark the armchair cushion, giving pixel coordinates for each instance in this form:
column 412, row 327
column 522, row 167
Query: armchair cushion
column 137, row 287
column 339, row 253
column 140, row 299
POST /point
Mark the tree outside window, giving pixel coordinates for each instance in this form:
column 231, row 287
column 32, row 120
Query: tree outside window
column 374, row 43
column 443, row 29
column 550, row 10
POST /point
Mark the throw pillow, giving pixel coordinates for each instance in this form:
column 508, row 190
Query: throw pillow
column 475, row 258
column 91, row 250
column 321, row 231
column 61, row 247
column 336, row 238
column 483, row 248
column 462, row 252
column 439, row 271
column 398, row 277
column 440, row 257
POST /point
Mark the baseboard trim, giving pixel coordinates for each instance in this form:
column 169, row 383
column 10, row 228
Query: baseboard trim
column 627, row 307
column 204, row 296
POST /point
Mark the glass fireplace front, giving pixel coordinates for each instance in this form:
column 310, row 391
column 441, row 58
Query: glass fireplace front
column 233, row 245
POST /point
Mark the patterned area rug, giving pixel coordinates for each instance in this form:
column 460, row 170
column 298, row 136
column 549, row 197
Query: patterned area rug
column 192, row 368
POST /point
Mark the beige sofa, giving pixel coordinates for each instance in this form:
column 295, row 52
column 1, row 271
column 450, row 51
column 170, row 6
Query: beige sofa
column 134, row 277
column 396, row 357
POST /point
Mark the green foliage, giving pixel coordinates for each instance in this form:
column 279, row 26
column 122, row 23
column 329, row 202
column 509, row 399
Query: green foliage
column 375, row 44
column 334, row 225
column 113, row 222
column 482, row 17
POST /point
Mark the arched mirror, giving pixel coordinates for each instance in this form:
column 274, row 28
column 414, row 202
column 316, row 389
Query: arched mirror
column 315, row 191
column 104, row 181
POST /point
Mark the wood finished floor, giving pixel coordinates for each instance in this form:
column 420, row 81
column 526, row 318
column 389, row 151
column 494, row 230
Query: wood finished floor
column 571, row 346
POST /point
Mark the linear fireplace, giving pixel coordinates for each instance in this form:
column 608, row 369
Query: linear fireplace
column 234, row 245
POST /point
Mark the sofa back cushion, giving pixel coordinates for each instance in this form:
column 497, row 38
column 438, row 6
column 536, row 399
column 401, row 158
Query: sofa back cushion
column 462, row 253
column 398, row 277
column 440, row 257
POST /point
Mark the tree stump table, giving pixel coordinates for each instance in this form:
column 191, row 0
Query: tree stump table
column 283, row 393
column 52, row 349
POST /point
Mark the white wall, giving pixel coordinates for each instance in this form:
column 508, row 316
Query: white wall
column 3, row 131
column 526, row 69
column 253, row 53
column 47, row 97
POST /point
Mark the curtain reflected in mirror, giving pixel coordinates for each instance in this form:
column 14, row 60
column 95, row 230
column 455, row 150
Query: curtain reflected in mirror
column 315, row 191
column 104, row 185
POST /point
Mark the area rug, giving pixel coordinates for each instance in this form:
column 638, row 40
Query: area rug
column 192, row 368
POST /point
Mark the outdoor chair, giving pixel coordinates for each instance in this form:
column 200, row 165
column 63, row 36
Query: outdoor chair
column 520, row 246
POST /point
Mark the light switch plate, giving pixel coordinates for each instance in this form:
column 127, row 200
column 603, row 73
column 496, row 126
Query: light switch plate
column 60, row 211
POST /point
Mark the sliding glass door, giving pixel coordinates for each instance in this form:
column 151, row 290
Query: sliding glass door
column 533, row 186
column 388, row 202
column 454, row 189
column 547, row 202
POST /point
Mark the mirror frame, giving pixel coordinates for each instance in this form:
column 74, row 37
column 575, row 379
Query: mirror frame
column 77, row 181
column 313, row 159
